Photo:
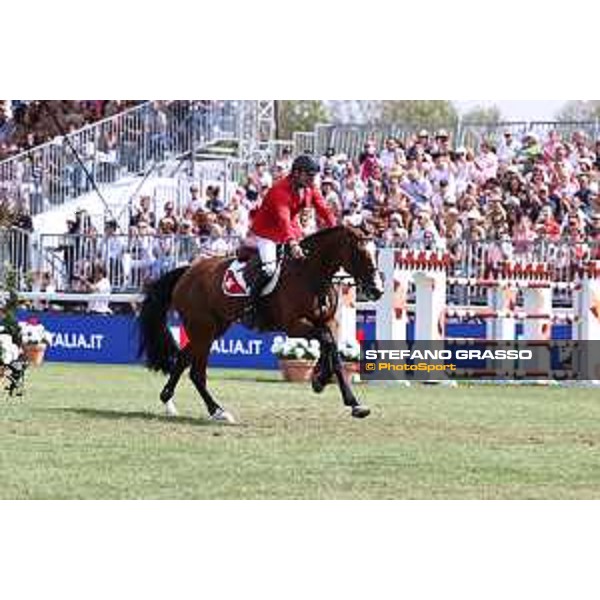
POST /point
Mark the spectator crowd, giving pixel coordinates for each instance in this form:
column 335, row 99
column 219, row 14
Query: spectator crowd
column 423, row 192
column 26, row 124
column 428, row 193
column 58, row 160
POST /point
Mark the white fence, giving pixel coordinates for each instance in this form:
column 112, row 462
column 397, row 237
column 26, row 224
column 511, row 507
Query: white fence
column 131, row 259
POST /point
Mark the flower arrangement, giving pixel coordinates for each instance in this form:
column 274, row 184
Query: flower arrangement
column 9, row 351
column 350, row 351
column 297, row 357
column 34, row 334
column 295, row 348
column 308, row 351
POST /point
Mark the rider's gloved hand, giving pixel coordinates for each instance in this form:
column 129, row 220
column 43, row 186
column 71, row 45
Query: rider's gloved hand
column 296, row 251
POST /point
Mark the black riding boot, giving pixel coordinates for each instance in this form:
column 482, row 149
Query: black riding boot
column 251, row 308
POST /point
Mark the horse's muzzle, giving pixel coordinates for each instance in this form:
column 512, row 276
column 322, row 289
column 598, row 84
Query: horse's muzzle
column 374, row 288
column 373, row 292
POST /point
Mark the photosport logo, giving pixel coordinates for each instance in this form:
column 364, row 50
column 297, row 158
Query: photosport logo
column 472, row 359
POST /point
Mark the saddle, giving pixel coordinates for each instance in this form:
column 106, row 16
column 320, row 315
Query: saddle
column 244, row 270
column 246, row 253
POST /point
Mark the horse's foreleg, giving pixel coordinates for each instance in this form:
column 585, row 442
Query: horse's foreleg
column 166, row 395
column 323, row 371
column 334, row 363
column 321, row 374
column 329, row 364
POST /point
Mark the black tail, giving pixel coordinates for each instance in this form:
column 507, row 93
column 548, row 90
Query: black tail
column 157, row 345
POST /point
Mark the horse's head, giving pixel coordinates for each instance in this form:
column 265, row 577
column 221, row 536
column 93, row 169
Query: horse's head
column 360, row 261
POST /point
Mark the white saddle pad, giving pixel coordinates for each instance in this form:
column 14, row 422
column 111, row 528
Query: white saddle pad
column 234, row 283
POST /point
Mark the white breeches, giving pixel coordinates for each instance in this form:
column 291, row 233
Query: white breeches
column 267, row 249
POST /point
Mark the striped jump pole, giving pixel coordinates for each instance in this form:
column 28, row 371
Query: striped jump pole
column 588, row 306
column 345, row 315
column 392, row 311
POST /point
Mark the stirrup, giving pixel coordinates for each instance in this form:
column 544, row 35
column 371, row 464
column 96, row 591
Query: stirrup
column 248, row 318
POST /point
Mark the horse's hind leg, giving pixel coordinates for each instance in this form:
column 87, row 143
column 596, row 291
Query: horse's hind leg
column 215, row 410
column 166, row 395
column 199, row 361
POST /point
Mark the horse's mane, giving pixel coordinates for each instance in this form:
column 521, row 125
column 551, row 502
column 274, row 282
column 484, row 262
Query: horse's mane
column 313, row 239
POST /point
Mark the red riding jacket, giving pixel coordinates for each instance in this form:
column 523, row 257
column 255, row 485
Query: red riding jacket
column 277, row 217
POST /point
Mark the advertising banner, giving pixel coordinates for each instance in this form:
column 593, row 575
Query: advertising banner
column 114, row 340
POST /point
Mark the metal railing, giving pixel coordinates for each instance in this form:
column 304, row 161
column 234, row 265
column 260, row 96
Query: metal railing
column 133, row 259
column 130, row 260
column 350, row 138
column 304, row 141
column 17, row 252
column 121, row 145
column 487, row 260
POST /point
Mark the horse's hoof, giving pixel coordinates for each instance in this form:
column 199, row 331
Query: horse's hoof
column 222, row 416
column 317, row 385
column 166, row 395
column 170, row 409
column 360, row 412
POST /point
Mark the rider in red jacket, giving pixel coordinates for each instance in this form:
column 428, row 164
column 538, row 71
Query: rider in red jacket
column 276, row 221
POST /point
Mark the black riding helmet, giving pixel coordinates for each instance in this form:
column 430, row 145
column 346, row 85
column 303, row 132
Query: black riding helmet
column 306, row 164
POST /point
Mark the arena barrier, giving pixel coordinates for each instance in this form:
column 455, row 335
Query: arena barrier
column 426, row 275
column 113, row 339
column 428, row 315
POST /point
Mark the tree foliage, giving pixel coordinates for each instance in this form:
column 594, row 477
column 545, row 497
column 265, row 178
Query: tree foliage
column 483, row 115
column 418, row 113
column 579, row 110
column 299, row 115
column 355, row 111
column 426, row 113
column 303, row 115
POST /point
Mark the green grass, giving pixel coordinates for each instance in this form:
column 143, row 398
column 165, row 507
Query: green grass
column 98, row 432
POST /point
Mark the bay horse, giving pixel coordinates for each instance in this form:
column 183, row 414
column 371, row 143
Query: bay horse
column 302, row 304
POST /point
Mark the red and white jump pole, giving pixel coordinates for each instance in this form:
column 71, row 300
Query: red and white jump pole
column 428, row 272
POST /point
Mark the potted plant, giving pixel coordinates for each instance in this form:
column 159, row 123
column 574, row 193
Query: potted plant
column 35, row 339
column 12, row 363
column 350, row 354
column 297, row 357
column 9, row 351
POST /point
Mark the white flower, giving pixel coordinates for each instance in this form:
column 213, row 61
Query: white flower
column 314, row 349
column 299, row 352
column 297, row 348
column 34, row 334
column 350, row 350
column 5, row 338
column 9, row 351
